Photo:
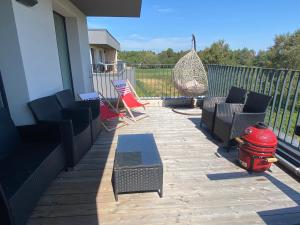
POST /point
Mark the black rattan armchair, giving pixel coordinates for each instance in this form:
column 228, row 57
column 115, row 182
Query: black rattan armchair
column 74, row 125
column 232, row 119
column 67, row 100
column 31, row 157
column 235, row 95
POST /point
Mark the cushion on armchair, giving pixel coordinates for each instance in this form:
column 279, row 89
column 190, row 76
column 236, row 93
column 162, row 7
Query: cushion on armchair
column 236, row 95
column 256, row 103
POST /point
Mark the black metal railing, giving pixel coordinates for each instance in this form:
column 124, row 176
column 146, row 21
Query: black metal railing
column 150, row 81
column 155, row 81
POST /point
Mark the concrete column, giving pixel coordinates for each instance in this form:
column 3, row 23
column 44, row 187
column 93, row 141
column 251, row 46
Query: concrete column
column 11, row 66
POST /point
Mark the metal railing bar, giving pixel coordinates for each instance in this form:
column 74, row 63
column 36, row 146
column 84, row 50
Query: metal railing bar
column 256, row 78
column 278, row 76
column 297, row 122
column 280, row 100
column 247, row 72
column 295, row 98
column 261, row 81
column 227, row 79
column 287, row 100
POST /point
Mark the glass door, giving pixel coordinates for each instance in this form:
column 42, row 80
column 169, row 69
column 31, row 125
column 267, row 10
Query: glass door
column 63, row 51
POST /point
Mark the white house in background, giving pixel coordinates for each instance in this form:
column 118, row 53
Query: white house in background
column 44, row 48
column 103, row 50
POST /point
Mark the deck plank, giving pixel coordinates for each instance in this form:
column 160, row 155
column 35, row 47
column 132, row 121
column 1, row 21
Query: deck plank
column 200, row 187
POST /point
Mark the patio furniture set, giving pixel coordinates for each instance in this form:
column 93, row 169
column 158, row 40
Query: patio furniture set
column 32, row 156
column 227, row 117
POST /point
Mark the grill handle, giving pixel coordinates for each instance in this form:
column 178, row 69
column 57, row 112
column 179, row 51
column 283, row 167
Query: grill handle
column 239, row 140
column 271, row 160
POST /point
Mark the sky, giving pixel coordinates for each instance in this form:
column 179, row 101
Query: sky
column 170, row 23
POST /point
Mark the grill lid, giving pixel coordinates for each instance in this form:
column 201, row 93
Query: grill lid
column 260, row 135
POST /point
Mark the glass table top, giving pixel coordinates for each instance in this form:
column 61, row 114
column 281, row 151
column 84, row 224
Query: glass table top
column 136, row 150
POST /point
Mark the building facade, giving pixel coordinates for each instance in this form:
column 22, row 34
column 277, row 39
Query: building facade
column 103, row 50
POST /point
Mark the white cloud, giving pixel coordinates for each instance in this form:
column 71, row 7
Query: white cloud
column 136, row 36
column 157, row 44
column 165, row 10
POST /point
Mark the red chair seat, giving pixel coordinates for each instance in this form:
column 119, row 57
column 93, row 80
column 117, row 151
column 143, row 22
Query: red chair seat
column 131, row 101
column 107, row 114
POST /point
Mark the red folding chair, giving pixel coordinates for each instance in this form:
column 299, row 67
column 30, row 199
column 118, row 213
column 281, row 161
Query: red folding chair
column 108, row 112
column 129, row 98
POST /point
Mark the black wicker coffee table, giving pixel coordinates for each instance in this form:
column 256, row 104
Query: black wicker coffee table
column 137, row 165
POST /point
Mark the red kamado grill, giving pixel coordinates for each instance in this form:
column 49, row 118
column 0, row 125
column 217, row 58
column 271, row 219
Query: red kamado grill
column 257, row 148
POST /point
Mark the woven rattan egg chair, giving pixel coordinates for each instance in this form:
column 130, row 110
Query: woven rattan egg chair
column 189, row 75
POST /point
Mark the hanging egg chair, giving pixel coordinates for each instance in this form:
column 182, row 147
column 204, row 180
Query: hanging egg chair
column 189, row 74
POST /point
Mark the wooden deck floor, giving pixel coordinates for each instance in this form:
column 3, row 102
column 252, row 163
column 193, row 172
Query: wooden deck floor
column 199, row 186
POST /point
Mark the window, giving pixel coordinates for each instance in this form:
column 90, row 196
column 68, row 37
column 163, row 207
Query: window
column 93, row 55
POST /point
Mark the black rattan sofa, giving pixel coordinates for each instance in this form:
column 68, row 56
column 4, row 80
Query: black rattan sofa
column 235, row 95
column 232, row 119
column 67, row 100
column 31, row 157
column 74, row 125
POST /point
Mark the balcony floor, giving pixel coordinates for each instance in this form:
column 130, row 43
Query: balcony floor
column 200, row 186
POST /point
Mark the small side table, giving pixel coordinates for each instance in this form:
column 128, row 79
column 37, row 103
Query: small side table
column 137, row 166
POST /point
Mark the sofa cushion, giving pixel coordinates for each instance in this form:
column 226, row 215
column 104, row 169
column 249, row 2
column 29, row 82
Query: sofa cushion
column 15, row 169
column 66, row 98
column 46, row 108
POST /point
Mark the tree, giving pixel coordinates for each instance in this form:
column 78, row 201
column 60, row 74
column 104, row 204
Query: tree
column 285, row 53
column 138, row 57
column 243, row 57
column 218, row 53
column 262, row 59
column 168, row 56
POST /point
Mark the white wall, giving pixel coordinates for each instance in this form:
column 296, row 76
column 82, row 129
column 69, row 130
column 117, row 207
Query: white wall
column 29, row 58
column 11, row 65
column 37, row 39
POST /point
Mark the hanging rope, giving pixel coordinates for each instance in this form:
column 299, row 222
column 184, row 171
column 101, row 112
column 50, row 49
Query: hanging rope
column 193, row 42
